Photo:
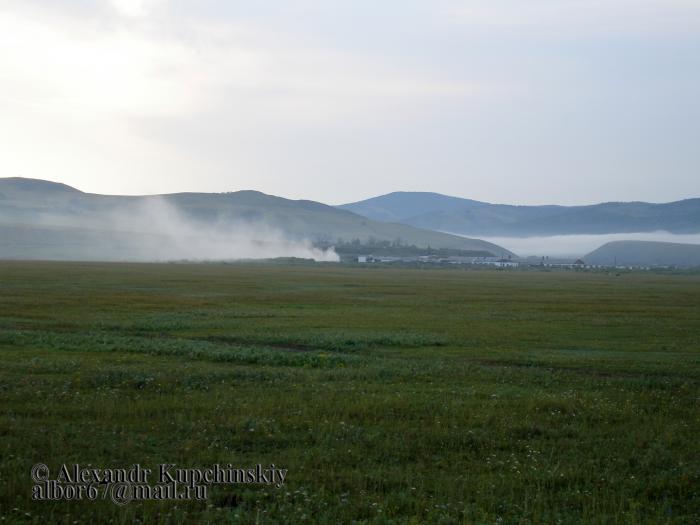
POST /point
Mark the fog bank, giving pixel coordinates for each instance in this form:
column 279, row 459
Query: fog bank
column 152, row 229
column 580, row 245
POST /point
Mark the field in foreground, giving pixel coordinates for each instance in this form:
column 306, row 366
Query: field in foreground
column 392, row 396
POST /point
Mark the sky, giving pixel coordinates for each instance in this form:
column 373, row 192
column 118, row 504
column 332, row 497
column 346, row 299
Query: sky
column 544, row 101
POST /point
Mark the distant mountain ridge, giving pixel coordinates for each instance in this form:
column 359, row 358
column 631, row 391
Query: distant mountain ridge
column 42, row 219
column 469, row 217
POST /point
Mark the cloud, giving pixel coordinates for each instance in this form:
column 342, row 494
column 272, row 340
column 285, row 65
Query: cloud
column 153, row 67
column 135, row 8
column 580, row 18
column 91, row 72
column 336, row 101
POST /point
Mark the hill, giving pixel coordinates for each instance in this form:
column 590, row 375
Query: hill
column 645, row 253
column 42, row 219
column 468, row 217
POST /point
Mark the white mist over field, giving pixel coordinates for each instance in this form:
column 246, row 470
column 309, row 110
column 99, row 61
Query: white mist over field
column 580, row 245
column 172, row 236
column 152, row 229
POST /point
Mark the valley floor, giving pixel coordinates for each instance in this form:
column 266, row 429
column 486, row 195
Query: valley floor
column 390, row 395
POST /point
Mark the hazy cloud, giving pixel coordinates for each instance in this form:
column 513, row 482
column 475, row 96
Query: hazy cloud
column 574, row 246
column 543, row 101
column 152, row 229
column 582, row 18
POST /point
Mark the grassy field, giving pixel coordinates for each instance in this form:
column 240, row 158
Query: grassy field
column 390, row 395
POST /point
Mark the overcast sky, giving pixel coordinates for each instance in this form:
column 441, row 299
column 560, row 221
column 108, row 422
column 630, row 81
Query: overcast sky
column 538, row 101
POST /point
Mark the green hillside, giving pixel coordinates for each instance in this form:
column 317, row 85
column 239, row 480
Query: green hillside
column 41, row 219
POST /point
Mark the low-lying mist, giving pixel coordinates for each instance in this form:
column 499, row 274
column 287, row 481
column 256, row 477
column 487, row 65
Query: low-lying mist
column 580, row 245
column 152, row 229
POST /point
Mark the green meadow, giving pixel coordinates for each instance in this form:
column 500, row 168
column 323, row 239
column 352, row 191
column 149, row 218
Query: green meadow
column 391, row 395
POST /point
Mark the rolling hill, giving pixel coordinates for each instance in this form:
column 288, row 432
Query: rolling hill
column 42, row 219
column 645, row 253
column 468, row 217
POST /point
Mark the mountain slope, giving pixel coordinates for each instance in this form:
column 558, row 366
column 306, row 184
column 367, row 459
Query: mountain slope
column 41, row 219
column 469, row 217
column 645, row 253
